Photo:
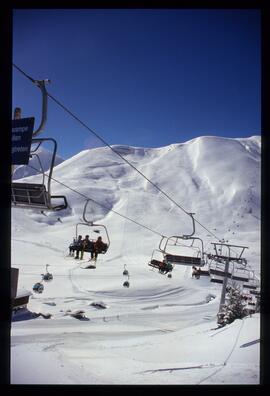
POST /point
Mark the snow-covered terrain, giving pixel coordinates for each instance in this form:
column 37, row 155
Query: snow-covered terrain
column 159, row 330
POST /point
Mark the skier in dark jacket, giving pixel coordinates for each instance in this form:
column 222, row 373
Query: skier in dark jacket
column 71, row 247
column 196, row 272
column 99, row 246
column 76, row 246
column 164, row 267
column 87, row 246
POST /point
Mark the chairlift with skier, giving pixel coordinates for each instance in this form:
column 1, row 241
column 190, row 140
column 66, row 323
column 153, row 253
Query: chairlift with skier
column 157, row 261
column 93, row 231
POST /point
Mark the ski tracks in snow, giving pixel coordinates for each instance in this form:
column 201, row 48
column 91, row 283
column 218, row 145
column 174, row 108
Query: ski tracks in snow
column 38, row 244
column 194, row 366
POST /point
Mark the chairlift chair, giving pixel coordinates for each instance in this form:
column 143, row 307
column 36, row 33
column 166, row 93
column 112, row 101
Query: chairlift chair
column 166, row 244
column 47, row 276
column 157, row 261
column 125, row 272
column 240, row 273
column 126, row 283
column 170, row 259
column 94, row 230
column 255, row 292
column 38, row 195
column 38, row 287
column 253, row 282
column 255, row 288
column 216, row 280
column 217, row 272
column 177, row 259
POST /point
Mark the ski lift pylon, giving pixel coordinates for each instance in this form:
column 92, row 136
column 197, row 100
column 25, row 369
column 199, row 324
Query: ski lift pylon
column 232, row 267
column 218, row 256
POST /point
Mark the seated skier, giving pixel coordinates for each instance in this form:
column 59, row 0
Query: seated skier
column 165, row 267
column 99, row 247
column 196, row 272
column 87, row 246
column 72, row 247
column 77, row 246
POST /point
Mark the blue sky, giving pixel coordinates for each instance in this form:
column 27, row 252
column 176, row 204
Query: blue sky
column 140, row 77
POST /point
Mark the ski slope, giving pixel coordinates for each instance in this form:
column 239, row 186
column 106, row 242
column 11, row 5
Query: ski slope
column 159, row 330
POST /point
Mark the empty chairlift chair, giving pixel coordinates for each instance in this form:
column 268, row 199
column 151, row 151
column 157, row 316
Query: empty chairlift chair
column 218, row 273
column 253, row 283
column 240, row 274
column 171, row 251
column 176, row 243
column 38, row 195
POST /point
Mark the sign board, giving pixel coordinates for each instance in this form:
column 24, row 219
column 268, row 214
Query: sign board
column 22, row 130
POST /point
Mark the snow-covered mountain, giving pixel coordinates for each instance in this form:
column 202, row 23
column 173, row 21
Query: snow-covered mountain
column 145, row 325
column 216, row 178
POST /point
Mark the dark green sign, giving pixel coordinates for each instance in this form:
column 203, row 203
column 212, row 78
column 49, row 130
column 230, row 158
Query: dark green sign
column 22, row 131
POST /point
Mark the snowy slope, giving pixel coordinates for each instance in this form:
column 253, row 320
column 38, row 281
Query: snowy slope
column 149, row 327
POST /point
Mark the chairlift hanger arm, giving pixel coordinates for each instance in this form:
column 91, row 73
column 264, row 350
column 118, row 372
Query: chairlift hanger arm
column 193, row 226
column 53, row 141
column 41, row 85
column 91, row 223
column 84, row 212
column 40, row 164
column 160, row 243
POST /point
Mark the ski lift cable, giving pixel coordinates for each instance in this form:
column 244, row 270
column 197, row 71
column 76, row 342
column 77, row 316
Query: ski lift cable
column 108, row 145
column 98, row 203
